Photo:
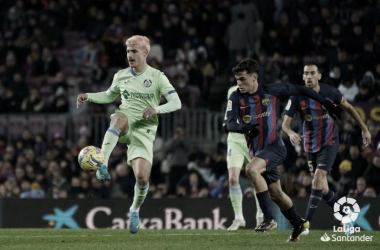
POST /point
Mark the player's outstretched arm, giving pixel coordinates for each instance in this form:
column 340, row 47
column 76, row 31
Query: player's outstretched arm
column 102, row 97
column 81, row 99
column 334, row 111
column 354, row 114
column 173, row 104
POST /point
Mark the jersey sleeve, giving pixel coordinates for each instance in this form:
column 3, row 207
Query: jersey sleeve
column 234, row 123
column 107, row 96
column 277, row 89
column 338, row 97
column 166, row 88
column 168, row 91
column 291, row 107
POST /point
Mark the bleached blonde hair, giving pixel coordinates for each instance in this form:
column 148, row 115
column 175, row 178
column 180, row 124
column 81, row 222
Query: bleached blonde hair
column 139, row 40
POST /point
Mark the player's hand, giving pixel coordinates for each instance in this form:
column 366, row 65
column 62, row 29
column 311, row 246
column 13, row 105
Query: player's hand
column 295, row 139
column 334, row 110
column 81, row 99
column 148, row 112
column 366, row 137
column 251, row 130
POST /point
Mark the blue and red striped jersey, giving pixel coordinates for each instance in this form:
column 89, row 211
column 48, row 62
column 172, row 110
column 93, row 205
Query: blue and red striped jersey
column 259, row 107
column 318, row 128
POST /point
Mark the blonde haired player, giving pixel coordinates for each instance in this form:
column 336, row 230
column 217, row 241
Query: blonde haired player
column 135, row 121
column 237, row 156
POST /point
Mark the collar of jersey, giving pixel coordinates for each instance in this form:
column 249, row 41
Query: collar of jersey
column 137, row 74
column 244, row 94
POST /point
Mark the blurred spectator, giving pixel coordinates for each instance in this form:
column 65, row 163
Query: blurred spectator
column 33, row 103
column 348, row 88
column 370, row 193
column 239, row 36
column 364, row 93
column 60, row 103
column 125, row 180
column 18, row 86
column 10, row 103
column 87, row 56
column 98, row 190
column 192, row 185
column 100, row 74
column 186, row 53
column 347, row 181
column 204, row 167
column 335, row 77
column 372, row 174
column 156, row 51
column 182, row 89
column 47, row 64
column 31, row 191
column 177, row 150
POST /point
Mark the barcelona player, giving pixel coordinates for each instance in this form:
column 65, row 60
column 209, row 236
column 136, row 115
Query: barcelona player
column 320, row 134
column 135, row 121
column 251, row 110
column 237, row 156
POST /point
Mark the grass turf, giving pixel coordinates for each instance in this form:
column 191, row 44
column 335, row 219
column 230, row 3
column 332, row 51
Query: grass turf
column 172, row 239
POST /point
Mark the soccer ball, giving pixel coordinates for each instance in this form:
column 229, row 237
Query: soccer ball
column 90, row 158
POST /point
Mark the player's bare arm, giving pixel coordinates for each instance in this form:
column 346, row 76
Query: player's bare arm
column 295, row 138
column 148, row 113
column 81, row 99
column 350, row 110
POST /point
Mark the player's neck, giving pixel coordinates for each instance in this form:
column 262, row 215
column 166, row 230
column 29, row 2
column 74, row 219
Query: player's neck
column 254, row 88
column 317, row 88
column 140, row 68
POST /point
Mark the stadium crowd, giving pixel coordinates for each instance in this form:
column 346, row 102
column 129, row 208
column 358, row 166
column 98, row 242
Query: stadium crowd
column 50, row 51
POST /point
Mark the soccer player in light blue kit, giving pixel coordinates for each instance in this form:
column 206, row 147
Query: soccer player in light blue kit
column 135, row 121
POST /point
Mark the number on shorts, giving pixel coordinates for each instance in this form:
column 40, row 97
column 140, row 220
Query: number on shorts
column 310, row 163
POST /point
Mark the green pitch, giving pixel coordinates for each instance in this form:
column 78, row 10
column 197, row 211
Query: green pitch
column 172, row 239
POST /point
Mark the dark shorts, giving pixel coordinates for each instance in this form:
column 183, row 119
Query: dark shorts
column 274, row 155
column 323, row 159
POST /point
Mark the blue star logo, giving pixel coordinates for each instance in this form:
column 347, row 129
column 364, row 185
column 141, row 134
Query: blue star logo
column 361, row 221
column 62, row 218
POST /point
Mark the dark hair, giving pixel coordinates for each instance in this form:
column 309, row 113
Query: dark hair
column 249, row 65
column 311, row 63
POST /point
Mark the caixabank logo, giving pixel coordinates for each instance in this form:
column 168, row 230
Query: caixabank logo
column 347, row 211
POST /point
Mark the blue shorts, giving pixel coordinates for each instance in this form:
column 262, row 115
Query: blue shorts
column 273, row 155
column 323, row 159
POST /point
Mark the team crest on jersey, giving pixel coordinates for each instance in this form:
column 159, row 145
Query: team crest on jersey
column 265, row 101
column 308, row 118
column 147, row 83
column 247, row 118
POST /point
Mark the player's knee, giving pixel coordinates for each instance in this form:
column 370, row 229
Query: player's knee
column 251, row 170
column 319, row 177
column 233, row 180
column 142, row 180
column 121, row 122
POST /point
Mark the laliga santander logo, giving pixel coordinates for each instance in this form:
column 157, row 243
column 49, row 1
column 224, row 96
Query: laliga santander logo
column 343, row 211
